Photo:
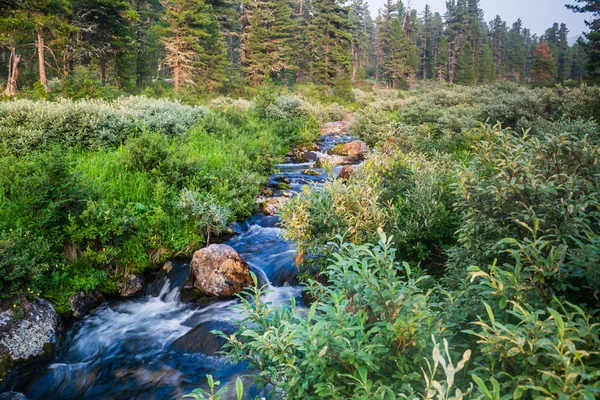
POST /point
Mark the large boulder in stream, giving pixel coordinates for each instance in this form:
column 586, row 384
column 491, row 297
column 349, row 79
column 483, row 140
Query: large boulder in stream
column 29, row 333
column 218, row 270
column 356, row 149
column 201, row 339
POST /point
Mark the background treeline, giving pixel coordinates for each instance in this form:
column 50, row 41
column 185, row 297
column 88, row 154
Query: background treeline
column 98, row 46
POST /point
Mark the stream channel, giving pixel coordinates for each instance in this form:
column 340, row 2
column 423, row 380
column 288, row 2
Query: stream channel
column 123, row 349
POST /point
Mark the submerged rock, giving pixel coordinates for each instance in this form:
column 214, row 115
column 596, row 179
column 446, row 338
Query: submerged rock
column 131, row 285
column 218, row 270
column 28, row 333
column 201, row 340
column 84, row 302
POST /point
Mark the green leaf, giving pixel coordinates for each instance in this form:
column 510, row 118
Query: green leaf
column 239, row 388
column 490, row 313
column 560, row 324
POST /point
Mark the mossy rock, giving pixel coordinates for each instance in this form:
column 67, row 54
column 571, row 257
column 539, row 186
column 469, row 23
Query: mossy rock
column 338, row 150
column 283, row 186
column 310, row 172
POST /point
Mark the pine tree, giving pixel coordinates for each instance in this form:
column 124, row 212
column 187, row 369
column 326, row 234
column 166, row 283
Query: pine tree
column 564, row 61
column 441, row 63
column 267, row 42
column 329, row 40
column 105, row 36
column 362, row 37
column 382, row 36
column 515, row 52
column 592, row 47
column 194, row 45
column 544, row 65
column 580, row 60
column 465, row 71
column 498, row 33
column 486, row 66
column 396, row 61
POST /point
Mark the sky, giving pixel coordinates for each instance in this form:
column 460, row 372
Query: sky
column 537, row 15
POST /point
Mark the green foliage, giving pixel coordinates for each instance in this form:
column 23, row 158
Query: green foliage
column 364, row 336
column 84, row 83
column 92, row 216
column 27, row 126
column 22, row 263
column 406, row 194
column 213, row 393
column 526, row 187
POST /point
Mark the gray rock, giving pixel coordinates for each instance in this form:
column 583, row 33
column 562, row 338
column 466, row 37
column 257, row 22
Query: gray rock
column 131, row 285
column 84, row 302
column 201, row 340
column 33, row 336
column 218, row 270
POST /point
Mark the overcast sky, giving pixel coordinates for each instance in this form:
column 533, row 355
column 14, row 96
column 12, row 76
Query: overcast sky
column 537, row 15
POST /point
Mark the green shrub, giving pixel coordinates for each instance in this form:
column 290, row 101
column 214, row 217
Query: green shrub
column 364, row 337
column 27, row 126
column 515, row 182
column 23, row 260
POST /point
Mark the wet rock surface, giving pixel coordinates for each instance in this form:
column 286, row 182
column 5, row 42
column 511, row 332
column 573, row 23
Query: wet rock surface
column 201, row 339
column 28, row 333
column 84, row 302
column 131, row 285
column 218, row 270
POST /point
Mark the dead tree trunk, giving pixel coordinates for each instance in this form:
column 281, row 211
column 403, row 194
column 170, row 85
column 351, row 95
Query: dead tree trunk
column 13, row 73
column 41, row 58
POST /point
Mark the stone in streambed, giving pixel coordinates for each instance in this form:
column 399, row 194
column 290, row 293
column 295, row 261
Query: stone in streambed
column 348, row 171
column 28, row 333
column 335, row 159
column 272, row 205
column 84, row 302
column 131, row 285
column 201, row 340
column 218, row 270
column 356, row 149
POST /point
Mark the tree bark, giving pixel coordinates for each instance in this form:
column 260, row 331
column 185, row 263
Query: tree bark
column 13, row 73
column 41, row 58
column 176, row 78
column 103, row 77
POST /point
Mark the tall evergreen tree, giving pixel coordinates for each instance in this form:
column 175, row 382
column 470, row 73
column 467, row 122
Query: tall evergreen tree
column 515, row 52
column 362, row 37
column 329, row 40
column 486, row 66
column 194, row 45
column 465, row 71
column 592, row 47
column 441, row 63
column 267, row 42
column 564, row 59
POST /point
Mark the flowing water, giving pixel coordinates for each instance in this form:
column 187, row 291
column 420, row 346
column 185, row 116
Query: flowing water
column 122, row 350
